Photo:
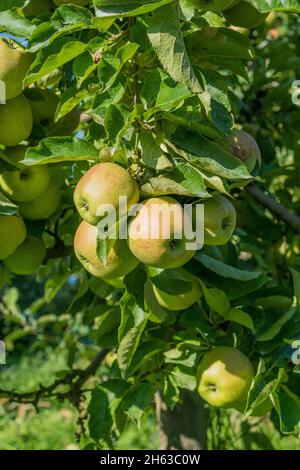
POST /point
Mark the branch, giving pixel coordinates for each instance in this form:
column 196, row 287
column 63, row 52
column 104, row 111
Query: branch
column 75, row 379
column 277, row 209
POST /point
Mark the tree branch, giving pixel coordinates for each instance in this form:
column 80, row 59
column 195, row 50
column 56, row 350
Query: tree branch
column 277, row 209
column 75, row 379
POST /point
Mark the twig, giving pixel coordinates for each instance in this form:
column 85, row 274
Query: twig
column 277, row 209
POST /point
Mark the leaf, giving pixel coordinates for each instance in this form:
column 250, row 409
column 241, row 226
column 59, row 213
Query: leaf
column 225, row 270
column 60, row 149
column 15, row 24
column 289, row 404
column 137, row 401
column 276, row 327
column 183, row 180
column 239, row 316
column 134, row 318
column 7, row 207
column 166, row 38
column 216, row 299
column 171, row 281
column 296, row 281
column 277, row 5
column 184, row 377
column 120, row 8
column 55, row 55
column 209, row 156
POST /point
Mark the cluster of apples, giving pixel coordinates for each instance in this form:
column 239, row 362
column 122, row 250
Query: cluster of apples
column 103, row 184
column 32, row 188
column 240, row 13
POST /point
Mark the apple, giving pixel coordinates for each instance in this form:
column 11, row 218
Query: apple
column 224, row 377
column 43, row 103
column 119, row 260
column 81, row 3
column 245, row 15
column 27, row 258
column 103, row 184
column 12, row 234
column 25, row 182
column 155, row 234
column 219, row 220
column 15, row 121
column 37, row 7
column 245, row 148
column 213, row 5
column 180, row 301
column 3, row 275
column 14, row 64
column 44, row 205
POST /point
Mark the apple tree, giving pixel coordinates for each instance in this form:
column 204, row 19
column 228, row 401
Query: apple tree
column 171, row 103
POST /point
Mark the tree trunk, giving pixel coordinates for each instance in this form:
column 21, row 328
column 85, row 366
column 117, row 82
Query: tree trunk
column 184, row 427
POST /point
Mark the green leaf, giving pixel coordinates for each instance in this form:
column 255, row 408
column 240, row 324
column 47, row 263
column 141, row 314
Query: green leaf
column 60, row 52
column 184, row 377
column 276, row 327
column 239, row 316
column 296, row 281
column 7, row 207
column 166, row 38
column 60, row 149
column 183, row 180
column 137, row 401
column 15, row 24
column 134, row 318
column 289, row 404
column 209, row 156
column 120, row 8
column 225, row 270
column 217, row 300
column 171, row 281
column 277, row 5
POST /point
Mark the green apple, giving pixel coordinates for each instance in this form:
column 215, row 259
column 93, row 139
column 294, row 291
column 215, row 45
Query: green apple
column 14, row 64
column 15, row 121
column 224, row 377
column 37, row 7
column 43, row 103
column 12, row 234
column 219, row 220
column 213, row 5
column 119, row 260
column 245, row 15
column 3, row 275
column 25, row 182
column 156, row 234
column 81, row 3
column 245, row 148
column 180, row 301
column 27, row 258
column 44, row 205
column 103, row 184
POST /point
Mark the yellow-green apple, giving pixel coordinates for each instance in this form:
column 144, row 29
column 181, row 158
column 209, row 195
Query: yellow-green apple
column 213, row 5
column 3, row 275
column 81, row 3
column 43, row 104
column 219, row 220
column 245, row 15
column 14, row 64
column 104, row 184
column 156, row 235
column 44, row 205
column 27, row 258
column 245, row 148
column 37, row 7
column 15, row 121
column 180, row 301
column 120, row 260
column 224, row 377
column 25, row 182
column 12, row 234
